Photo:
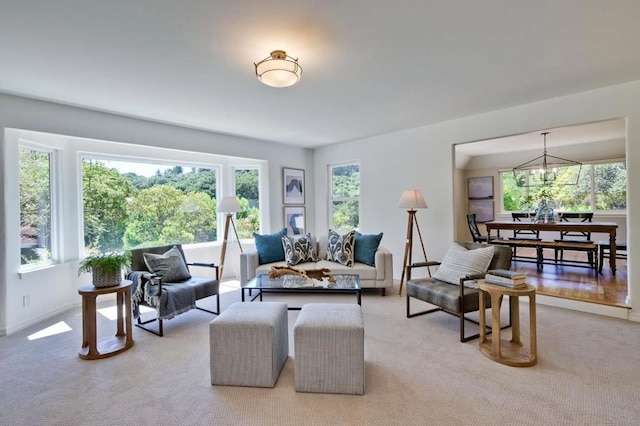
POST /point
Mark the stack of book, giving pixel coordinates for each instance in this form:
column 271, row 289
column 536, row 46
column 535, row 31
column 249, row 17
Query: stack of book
column 503, row 277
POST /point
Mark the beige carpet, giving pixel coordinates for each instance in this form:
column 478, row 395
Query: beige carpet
column 417, row 373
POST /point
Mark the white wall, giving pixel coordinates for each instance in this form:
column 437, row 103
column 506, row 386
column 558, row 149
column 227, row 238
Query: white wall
column 423, row 158
column 55, row 289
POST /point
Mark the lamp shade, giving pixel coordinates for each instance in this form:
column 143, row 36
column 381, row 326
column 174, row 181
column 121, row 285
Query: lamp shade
column 412, row 199
column 278, row 70
column 229, row 205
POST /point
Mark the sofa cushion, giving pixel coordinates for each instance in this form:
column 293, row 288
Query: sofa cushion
column 460, row 262
column 269, row 247
column 340, row 247
column 170, row 265
column 298, row 249
column 265, row 268
column 365, row 247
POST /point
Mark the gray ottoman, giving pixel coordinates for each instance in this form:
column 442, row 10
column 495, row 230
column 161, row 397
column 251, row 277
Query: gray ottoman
column 249, row 344
column 329, row 348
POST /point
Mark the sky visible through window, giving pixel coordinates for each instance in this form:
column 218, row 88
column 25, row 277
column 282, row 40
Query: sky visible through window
column 139, row 168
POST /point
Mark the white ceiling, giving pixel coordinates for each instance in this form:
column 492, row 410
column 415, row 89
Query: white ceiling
column 601, row 131
column 369, row 66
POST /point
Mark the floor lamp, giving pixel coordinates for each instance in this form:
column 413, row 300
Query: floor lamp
column 411, row 200
column 229, row 206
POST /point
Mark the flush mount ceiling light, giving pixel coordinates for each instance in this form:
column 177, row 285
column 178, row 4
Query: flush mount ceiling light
column 278, row 70
column 547, row 170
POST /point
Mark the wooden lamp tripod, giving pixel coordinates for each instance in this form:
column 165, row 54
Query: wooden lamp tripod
column 228, row 205
column 411, row 199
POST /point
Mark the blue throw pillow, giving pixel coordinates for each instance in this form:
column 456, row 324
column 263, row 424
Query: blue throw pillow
column 365, row 248
column 269, row 247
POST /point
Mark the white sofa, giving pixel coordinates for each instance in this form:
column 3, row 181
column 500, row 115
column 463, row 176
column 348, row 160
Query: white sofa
column 378, row 276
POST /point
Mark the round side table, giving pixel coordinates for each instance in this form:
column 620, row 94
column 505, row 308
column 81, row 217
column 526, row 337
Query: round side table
column 509, row 352
column 106, row 347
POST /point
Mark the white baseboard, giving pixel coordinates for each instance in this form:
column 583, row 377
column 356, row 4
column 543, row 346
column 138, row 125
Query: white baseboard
column 35, row 320
column 592, row 308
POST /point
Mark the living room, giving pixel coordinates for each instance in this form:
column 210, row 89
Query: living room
column 418, row 155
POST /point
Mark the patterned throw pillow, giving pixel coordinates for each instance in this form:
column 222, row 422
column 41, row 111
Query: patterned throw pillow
column 169, row 265
column 298, row 250
column 340, row 248
column 460, row 262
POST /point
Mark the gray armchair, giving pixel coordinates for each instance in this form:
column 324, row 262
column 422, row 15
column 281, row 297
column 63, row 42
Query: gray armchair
column 455, row 299
column 166, row 295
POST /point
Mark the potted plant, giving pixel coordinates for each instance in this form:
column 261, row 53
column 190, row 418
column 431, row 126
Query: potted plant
column 106, row 268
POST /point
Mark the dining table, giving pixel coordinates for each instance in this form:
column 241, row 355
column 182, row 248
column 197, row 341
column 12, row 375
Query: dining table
column 586, row 227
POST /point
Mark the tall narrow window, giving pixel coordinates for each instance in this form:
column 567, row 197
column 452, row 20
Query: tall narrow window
column 35, row 206
column 247, row 182
column 345, row 196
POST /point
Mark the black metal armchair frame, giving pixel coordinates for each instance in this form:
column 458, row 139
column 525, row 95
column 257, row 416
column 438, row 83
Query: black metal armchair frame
column 462, row 298
column 137, row 255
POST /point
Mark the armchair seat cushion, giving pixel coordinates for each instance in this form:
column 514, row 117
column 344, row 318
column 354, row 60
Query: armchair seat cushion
column 444, row 295
column 203, row 286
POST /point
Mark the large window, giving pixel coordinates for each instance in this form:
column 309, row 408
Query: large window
column 601, row 187
column 36, row 171
column 345, row 196
column 131, row 204
column 247, row 183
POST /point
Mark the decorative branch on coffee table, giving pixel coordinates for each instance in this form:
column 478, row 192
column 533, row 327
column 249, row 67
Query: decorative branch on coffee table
column 309, row 275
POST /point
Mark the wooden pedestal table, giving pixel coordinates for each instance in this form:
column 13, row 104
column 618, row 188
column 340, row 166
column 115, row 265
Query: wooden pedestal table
column 509, row 352
column 106, row 347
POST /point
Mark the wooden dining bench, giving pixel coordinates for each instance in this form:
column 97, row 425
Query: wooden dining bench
column 590, row 248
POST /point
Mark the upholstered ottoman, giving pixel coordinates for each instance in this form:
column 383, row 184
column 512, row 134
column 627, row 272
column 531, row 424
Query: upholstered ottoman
column 329, row 348
column 249, row 344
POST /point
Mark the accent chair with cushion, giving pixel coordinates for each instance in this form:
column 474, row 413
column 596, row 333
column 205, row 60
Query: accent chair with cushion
column 162, row 280
column 452, row 288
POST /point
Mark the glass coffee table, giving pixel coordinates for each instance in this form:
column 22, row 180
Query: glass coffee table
column 296, row 284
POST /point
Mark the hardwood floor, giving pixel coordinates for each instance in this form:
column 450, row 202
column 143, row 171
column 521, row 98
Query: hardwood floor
column 576, row 283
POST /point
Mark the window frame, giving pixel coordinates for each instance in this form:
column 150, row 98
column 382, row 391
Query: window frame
column 342, row 199
column 590, row 168
column 54, row 194
column 153, row 160
column 235, row 168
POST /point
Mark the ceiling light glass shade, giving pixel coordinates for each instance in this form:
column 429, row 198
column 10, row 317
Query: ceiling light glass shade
column 229, row 205
column 278, row 70
column 412, row 199
column 547, row 170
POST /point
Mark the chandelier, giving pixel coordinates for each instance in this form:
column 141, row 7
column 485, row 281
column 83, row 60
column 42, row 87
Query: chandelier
column 547, row 170
column 278, row 70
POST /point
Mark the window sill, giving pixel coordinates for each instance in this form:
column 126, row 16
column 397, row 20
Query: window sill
column 35, row 269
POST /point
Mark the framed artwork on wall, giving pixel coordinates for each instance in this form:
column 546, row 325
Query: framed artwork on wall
column 294, row 220
column 481, row 188
column 293, row 182
column 483, row 210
